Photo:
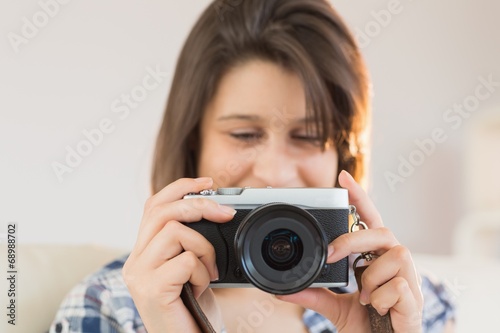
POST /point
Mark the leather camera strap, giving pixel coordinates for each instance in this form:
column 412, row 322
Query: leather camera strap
column 378, row 323
column 194, row 308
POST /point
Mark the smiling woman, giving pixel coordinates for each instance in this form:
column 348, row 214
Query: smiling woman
column 275, row 94
column 307, row 42
column 245, row 127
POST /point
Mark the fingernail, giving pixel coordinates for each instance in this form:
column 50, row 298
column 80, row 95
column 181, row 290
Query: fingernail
column 227, row 210
column 330, row 251
column 216, row 272
column 363, row 298
column 203, row 180
column 348, row 175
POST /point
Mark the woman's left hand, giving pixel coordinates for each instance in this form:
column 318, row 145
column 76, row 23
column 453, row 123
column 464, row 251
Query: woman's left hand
column 390, row 283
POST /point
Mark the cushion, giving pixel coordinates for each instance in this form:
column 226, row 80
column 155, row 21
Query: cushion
column 45, row 274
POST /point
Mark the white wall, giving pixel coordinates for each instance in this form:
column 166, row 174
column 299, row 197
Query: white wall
column 65, row 79
column 426, row 60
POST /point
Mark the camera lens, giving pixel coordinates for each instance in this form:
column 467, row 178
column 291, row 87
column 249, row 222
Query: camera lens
column 272, row 255
column 282, row 249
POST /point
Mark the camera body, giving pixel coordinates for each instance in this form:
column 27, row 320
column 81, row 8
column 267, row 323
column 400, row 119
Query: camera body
column 278, row 239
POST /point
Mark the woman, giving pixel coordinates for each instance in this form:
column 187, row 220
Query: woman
column 266, row 93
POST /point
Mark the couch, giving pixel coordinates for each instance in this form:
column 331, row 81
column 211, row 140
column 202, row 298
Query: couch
column 45, row 273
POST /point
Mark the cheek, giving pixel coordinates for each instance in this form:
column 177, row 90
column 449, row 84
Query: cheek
column 205, row 162
column 320, row 170
column 224, row 162
column 211, row 159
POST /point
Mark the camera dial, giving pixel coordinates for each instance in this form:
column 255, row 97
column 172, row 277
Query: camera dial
column 229, row 190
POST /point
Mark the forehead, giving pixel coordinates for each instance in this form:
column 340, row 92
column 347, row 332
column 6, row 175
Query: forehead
column 258, row 89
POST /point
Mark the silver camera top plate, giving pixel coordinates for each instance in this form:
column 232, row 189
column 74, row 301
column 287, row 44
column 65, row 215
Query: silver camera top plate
column 307, row 197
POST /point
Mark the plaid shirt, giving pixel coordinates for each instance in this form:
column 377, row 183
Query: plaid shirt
column 102, row 303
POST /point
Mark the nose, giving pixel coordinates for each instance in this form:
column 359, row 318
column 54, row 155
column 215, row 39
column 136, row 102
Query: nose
column 276, row 166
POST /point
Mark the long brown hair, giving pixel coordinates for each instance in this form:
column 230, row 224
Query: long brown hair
column 307, row 37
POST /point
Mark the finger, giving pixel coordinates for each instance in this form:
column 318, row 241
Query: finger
column 378, row 240
column 358, row 197
column 340, row 309
column 191, row 210
column 320, row 300
column 396, row 262
column 187, row 210
column 179, row 270
column 175, row 238
column 395, row 296
column 177, row 189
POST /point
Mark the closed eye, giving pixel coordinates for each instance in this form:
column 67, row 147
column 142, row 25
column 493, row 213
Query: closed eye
column 247, row 136
column 307, row 138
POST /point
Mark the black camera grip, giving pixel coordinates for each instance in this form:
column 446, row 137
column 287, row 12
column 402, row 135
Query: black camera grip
column 378, row 323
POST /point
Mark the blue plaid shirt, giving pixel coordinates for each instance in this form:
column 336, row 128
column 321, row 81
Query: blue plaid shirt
column 102, row 303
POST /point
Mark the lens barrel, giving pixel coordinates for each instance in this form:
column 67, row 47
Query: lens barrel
column 280, row 248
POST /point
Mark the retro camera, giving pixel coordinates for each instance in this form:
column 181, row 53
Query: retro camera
column 278, row 239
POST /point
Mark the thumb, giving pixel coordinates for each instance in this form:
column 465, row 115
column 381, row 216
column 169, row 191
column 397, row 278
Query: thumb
column 320, row 300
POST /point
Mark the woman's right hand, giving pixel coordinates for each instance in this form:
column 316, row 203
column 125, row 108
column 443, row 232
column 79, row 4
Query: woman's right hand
column 168, row 254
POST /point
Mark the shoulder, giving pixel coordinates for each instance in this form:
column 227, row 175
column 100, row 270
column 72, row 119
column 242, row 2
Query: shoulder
column 100, row 303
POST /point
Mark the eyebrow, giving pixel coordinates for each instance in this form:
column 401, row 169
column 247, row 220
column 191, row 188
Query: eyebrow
column 249, row 117
column 236, row 116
